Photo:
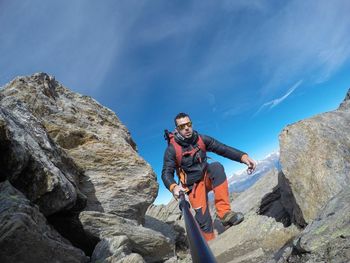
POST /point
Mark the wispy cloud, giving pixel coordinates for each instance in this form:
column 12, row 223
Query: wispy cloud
column 273, row 103
column 282, row 43
column 78, row 44
column 211, row 101
column 197, row 46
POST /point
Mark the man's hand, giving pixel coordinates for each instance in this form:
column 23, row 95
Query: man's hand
column 176, row 191
column 250, row 163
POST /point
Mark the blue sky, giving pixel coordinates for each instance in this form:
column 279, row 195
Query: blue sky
column 242, row 69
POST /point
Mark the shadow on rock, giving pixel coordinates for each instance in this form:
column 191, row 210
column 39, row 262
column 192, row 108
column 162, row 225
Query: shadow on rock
column 281, row 204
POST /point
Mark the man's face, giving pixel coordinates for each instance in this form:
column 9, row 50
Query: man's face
column 184, row 127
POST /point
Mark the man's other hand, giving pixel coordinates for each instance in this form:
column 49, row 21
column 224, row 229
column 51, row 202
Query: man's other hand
column 176, row 191
column 250, row 163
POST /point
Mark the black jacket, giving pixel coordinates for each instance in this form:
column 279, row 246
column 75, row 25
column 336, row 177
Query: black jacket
column 191, row 165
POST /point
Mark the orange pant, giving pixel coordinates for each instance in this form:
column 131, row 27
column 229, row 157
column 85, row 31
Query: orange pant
column 214, row 179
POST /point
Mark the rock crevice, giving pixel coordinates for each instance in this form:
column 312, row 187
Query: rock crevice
column 281, row 204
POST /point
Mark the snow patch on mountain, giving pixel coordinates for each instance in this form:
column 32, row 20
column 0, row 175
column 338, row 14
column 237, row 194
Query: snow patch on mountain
column 241, row 180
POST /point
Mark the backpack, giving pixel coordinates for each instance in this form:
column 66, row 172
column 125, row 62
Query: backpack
column 169, row 137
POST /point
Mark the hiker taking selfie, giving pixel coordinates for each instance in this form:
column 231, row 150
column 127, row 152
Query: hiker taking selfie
column 186, row 154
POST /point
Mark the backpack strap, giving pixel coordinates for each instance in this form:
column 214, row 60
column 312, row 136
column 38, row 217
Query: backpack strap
column 169, row 137
column 178, row 149
column 178, row 152
column 201, row 144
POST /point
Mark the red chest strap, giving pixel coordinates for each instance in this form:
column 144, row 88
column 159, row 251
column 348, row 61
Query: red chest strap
column 180, row 154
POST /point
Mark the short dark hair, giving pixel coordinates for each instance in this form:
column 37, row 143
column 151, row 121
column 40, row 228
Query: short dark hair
column 181, row 115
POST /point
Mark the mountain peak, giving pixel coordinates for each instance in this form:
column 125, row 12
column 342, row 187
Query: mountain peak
column 346, row 102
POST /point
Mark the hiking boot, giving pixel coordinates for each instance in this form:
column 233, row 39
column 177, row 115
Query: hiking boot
column 232, row 218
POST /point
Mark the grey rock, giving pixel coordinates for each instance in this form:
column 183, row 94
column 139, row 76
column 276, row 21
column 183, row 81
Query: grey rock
column 172, row 260
column 167, row 230
column 168, row 220
column 169, row 213
column 151, row 245
column 33, row 163
column 315, row 158
column 132, row 258
column 116, row 179
column 328, row 237
column 115, row 249
column 25, row 235
column 254, row 240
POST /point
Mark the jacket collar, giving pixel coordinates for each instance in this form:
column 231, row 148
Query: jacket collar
column 186, row 141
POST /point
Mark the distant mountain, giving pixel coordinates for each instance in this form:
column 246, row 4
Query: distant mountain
column 240, row 181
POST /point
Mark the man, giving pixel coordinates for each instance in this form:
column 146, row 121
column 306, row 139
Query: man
column 186, row 153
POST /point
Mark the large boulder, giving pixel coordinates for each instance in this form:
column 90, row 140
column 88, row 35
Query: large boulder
column 169, row 213
column 33, row 163
column 152, row 245
column 315, row 158
column 68, row 154
column 168, row 220
column 115, row 249
column 25, row 235
column 326, row 239
column 116, row 179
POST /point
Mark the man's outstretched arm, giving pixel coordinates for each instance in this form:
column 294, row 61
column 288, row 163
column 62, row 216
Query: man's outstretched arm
column 213, row 145
column 169, row 165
